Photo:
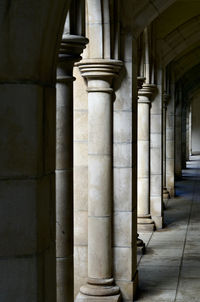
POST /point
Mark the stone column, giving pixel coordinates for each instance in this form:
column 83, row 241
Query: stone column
column 188, row 135
column 145, row 223
column 140, row 242
column 99, row 75
column 183, row 135
column 178, row 141
column 71, row 47
column 156, row 153
column 190, row 130
column 165, row 101
column 170, row 150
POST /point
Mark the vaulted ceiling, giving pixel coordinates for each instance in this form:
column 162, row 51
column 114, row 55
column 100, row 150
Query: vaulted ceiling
column 178, row 39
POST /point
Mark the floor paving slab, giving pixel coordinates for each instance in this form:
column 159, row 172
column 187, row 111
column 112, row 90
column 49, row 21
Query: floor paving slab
column 170, row 269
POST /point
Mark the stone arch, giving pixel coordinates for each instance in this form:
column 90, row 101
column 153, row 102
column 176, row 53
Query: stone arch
column 186, row 62
column 39, row 41
column 186, row 34
column 190, row 79
column 30, row 38
column 145, row 12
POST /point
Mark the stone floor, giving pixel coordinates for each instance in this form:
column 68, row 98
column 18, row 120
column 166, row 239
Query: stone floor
column 170, row 269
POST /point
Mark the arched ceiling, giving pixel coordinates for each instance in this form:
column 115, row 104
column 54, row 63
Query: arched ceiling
column 191, row 80
column 178, row 39
column 176, row 15
column 176, row 26
column 143, row 12
column 194, row 93
column 186, row 62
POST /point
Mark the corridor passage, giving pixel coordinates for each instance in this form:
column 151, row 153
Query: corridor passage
column 170, row 269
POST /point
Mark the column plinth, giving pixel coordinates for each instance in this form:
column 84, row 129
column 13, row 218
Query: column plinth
column 69, row 53
column 99, row 75
column 145, row 93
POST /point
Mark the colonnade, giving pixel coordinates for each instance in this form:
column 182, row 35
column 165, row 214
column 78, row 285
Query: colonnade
column 155, row 154
column 155, row 165
column 126, row 136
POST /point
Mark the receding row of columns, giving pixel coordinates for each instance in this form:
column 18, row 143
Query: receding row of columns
column 99, row 75
column 147, row 141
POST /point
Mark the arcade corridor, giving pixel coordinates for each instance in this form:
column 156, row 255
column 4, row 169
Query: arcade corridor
column 170, row 269
column 100, row 106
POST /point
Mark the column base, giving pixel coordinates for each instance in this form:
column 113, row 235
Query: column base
column 99, row 290
column 140, row 246
column 158, row 220
column 165, row 194
column 84, row 298
column 145, row 225
column 141, row 250
column 172, row 192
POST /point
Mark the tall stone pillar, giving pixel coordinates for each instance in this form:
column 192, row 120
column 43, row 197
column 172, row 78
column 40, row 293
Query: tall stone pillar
column 99, row 74
column 189, row 131
column 178, row 141
column 187, row 134
column 170, row 150
column 71, row 47
column 145, row 223
column 183, row 135
column 140, row 242
column 156, row 153
column 165, row 102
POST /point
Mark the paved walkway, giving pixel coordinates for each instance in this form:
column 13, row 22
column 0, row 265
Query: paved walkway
column 170, row 269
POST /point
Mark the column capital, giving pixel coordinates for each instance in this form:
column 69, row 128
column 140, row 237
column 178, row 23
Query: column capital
column 146, row 93
column 104, row 69
column 166, row 98
column 71, row 47
column 140, row 82
column 70, row 50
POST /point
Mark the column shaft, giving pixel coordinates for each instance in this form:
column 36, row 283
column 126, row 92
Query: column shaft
column 145, row 223
column 64, row 190
column 178, row 142
column 188, row 135
column 156, row 155
column 189, row 132
column 165, row 191
column 99, row 184
column 170, row 150
column 184, row 132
